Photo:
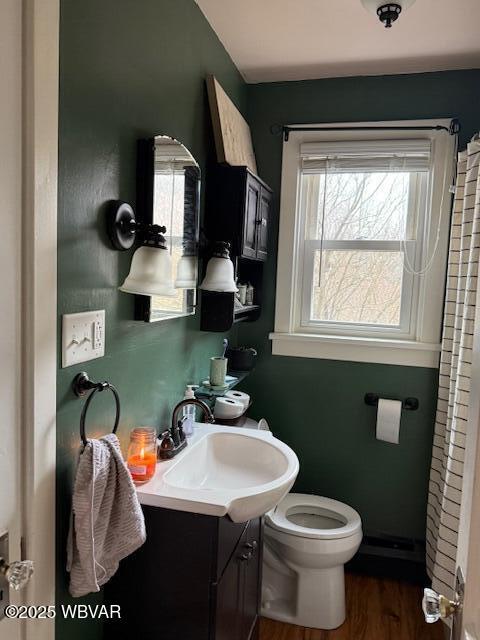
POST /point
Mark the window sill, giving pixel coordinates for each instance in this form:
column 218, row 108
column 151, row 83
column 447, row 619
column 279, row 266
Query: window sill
column 398, row 352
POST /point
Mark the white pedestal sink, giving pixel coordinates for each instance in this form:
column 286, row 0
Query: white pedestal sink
column 242, row 473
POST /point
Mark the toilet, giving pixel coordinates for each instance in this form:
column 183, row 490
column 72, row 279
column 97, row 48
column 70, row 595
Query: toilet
column 308, row 540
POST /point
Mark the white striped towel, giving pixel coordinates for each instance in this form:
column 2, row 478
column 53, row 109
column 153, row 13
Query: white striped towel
column 107, row 522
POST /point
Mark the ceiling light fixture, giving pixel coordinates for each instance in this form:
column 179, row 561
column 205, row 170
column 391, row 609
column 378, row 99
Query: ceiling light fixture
column 387, row 12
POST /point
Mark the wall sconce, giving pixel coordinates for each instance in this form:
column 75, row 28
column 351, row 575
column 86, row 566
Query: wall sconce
column 151, row 268
column 220, row 274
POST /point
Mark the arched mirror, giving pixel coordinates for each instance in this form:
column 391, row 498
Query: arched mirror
column 169, row 194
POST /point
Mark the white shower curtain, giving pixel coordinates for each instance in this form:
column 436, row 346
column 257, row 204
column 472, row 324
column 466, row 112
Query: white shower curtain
column 446, row 475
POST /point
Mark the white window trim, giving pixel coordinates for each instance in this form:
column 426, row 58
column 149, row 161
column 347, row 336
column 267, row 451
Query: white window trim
column 289, row 337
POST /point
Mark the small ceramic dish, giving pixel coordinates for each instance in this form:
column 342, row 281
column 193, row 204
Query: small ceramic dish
column 206, row 383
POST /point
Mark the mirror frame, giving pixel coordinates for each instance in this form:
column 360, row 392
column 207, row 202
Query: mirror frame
column 145, row 204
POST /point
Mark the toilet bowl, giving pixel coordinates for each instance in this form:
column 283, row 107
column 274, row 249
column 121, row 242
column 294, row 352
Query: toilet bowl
column 308, row 540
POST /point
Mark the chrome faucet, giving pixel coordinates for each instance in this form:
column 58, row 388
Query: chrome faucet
column 174, row 440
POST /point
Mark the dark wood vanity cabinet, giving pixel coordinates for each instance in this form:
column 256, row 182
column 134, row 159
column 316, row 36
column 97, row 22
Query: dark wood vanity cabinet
column 238, row 211
column 196, row 578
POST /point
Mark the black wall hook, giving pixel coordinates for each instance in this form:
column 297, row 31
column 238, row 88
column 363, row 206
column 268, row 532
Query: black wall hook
column 410, row 404
column 81, row 385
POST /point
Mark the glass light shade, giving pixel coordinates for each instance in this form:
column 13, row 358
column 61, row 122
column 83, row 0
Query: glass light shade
column 373, row 5
column 186, row 273
column 150, row 273
column 219, row 276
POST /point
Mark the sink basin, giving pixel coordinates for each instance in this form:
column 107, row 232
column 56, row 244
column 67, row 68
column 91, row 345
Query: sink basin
column 241, row 473
column 228, row 461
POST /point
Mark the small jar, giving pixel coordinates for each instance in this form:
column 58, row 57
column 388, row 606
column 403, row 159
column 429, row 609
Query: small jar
column 142, row 453
column 242, row 292
column 249, row 295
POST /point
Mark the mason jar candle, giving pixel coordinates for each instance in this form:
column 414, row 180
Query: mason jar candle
column 142, row 453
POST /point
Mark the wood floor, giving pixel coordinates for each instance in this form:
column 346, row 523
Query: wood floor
column 377, row 609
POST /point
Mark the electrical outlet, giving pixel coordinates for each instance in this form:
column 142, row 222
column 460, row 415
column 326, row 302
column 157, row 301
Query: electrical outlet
column 83, row 337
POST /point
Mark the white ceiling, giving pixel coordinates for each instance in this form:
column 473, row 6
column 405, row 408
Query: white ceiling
column 272, row 40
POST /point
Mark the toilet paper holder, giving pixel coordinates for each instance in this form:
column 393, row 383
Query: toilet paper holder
column 410, row 404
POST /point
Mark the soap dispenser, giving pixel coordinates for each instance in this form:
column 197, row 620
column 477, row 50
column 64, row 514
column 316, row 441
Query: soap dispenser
column 188, row 411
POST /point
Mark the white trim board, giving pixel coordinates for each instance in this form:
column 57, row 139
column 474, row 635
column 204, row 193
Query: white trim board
column 352, row 349
column 39, row 317
column 11, row 503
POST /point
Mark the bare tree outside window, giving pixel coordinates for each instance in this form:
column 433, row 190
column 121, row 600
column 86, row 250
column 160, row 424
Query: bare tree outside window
column 357, row 227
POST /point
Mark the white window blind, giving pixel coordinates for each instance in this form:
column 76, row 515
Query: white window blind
column 370, row 156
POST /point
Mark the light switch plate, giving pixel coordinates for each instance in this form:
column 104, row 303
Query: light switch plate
column 83, row 337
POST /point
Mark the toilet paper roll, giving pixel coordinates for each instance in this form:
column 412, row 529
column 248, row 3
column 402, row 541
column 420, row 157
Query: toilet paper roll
column 389, row 414
column 228, row 408
column 239, row 396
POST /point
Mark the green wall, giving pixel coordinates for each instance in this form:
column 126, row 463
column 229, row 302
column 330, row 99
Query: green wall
column 128, row 69
column 317, row 405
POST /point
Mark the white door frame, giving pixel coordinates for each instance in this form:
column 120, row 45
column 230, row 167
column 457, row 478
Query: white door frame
column 468, row 552
column 11, row 129
column 39, row 317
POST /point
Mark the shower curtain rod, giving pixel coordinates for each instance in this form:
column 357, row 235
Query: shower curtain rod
column 453, row 129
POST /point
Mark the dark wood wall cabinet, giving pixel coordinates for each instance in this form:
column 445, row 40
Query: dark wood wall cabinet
column 196, row 578
column 238, row 211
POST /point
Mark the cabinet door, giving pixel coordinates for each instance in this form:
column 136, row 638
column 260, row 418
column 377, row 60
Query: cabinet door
column 262, row 224
column 229, row 606
column 252, row 204
column 238, row 592
column 252, row 579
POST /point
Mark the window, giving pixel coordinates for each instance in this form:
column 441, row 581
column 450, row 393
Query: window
column 363, row 240
column 361, row 208
column 169, row 189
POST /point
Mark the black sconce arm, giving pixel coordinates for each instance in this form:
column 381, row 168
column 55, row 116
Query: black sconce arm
column 123, row 227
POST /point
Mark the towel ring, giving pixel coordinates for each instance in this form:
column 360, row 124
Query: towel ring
column 81, row 385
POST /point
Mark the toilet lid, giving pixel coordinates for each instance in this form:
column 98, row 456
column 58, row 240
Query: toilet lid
column 309, row 516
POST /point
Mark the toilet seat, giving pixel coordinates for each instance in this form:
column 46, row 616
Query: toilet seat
column 332, row 511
